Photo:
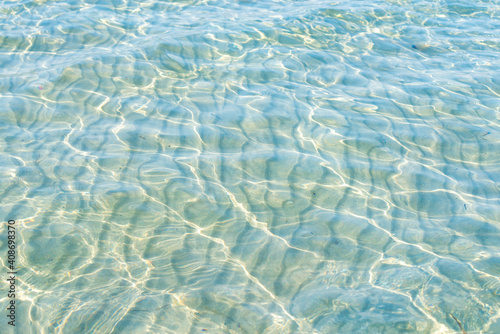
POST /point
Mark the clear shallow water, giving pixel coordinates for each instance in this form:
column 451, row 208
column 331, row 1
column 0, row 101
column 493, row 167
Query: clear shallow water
column 252, row 167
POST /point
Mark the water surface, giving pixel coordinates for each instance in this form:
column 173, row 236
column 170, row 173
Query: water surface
column 252, row 166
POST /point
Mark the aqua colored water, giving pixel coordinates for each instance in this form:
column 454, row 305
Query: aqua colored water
column 251, row 166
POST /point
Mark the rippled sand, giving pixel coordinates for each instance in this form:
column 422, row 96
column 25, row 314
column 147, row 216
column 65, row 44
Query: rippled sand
column 251, row 167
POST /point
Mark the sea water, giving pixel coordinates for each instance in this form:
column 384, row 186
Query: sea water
column 251, row 166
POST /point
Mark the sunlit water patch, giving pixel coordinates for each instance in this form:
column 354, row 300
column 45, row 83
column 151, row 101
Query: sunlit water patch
column 251, row 166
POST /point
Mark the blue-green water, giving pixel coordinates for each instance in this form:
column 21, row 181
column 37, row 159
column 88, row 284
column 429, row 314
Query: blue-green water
column 251, row 166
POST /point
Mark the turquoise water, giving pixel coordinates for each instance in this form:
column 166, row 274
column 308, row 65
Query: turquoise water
column 251, row 166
